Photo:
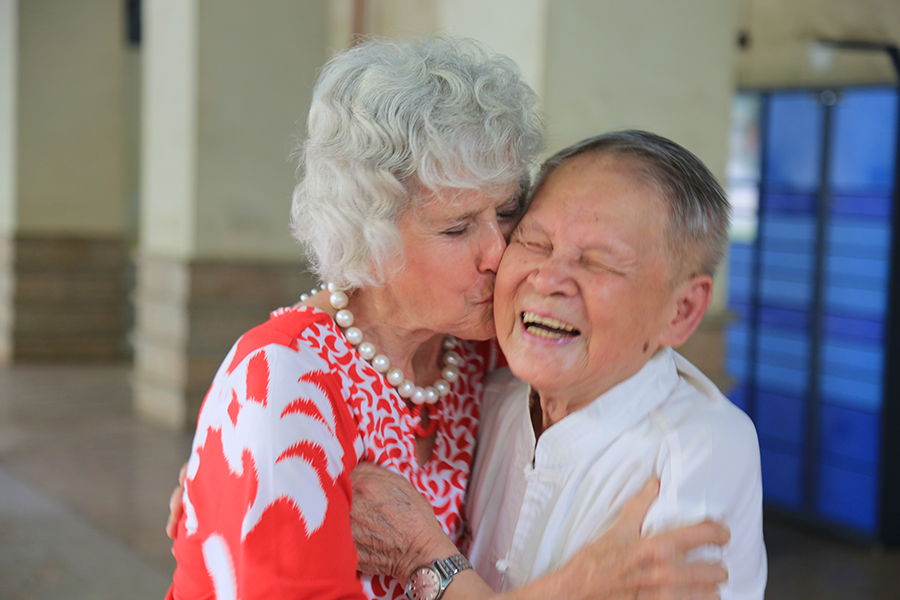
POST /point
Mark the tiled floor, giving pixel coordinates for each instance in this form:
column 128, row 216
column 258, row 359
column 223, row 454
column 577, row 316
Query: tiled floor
column 84, row 491
column 84, row 487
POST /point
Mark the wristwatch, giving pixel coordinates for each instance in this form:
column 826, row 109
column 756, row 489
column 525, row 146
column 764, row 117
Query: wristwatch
column 428, row 582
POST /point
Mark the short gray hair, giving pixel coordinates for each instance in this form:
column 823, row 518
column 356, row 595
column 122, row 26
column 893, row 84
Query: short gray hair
column 699, row 211
column 391, row 121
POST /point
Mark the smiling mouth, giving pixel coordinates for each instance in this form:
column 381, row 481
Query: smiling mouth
column 546, row 327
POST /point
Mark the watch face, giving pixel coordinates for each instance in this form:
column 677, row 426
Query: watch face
column 425, row 584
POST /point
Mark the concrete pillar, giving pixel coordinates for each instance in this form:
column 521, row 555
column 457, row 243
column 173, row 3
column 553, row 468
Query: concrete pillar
column 226, row 88
column 63, row 155
column 9, row 63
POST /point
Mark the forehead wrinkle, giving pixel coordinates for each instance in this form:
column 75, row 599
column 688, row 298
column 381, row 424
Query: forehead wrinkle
column 450, row 199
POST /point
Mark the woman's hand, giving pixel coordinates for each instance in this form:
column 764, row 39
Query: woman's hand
column 176, row 504
column 394, row 528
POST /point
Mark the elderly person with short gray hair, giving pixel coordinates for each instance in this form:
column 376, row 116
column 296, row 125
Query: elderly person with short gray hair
column 416, row 161
column 610, row 268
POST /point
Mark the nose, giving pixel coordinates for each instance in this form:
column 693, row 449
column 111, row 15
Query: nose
column 494, row 245
column 551, row 276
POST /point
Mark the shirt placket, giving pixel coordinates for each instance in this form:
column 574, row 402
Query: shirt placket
column 542, row 485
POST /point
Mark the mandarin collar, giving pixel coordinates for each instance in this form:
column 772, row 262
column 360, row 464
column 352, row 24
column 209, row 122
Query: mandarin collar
column 598, row 424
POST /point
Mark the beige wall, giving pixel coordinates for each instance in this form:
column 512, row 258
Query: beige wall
column 257, row 64
column 71, row 117
column 782, row 33
column 8, row 75
column 663, row 66
column 515, row 28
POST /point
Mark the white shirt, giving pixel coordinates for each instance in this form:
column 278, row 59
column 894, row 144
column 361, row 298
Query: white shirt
column 533, row 506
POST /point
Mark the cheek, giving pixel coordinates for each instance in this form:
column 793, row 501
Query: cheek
column 512, row 267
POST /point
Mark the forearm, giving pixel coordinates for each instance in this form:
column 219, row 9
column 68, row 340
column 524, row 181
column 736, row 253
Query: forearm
column 568, row 583
column 563, row 584
column 469, row 585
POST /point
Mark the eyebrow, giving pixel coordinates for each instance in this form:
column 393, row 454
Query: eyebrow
column 473, row 212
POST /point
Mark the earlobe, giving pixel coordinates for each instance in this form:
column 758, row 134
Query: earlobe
column 692, row 298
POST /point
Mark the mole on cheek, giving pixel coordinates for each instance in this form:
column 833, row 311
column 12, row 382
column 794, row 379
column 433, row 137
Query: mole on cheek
column 646, row 345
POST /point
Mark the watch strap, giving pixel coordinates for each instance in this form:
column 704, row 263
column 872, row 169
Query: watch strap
column 448, row 567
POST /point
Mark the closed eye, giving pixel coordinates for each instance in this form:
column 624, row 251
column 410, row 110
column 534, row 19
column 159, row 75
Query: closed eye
column 600, row 267
column 534, row 246
column 456, row 231
column 509, row 211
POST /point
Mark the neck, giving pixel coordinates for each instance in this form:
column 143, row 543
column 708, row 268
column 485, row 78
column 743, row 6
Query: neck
column 548, row 410
column 556, row 404
column 377, row 314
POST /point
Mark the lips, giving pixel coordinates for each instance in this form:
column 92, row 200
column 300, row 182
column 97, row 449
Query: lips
column 548, row 327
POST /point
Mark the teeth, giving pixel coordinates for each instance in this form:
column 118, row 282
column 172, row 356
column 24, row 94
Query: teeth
column 530, row 318
column 553, row 335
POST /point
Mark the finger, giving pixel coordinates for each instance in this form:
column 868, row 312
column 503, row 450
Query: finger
column 705, row 592
column 176, row 507
column 182, row 474
column 705, row 576
column 634, row 511
column 706, row 533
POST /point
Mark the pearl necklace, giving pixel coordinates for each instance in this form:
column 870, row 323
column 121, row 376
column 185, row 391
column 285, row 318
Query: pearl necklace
column 407, row 389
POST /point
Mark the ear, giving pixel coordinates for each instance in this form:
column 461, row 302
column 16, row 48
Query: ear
column 692, row 298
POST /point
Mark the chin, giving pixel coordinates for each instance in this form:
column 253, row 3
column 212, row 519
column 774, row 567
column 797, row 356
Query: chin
column 480, row 334
column 476, row 332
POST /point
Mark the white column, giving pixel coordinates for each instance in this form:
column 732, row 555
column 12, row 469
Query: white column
column 9, row 49
column 226, row 89
column 9, row 66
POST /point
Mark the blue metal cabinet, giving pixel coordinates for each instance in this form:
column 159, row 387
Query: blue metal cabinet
column 815, row 344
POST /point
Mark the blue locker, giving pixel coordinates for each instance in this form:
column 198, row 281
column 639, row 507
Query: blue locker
column 810, row 349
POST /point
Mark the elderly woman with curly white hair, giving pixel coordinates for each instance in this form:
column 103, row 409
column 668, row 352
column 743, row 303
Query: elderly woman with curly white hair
column 416, row 160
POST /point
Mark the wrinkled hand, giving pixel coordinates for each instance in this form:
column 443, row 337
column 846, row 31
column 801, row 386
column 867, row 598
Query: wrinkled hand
column 393, row 526
column 176, row 504
column 626, row 566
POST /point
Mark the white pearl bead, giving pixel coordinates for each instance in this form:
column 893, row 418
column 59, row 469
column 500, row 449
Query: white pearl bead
column 381, row 363
column 418, row 396
column 344, row 318
column 304, row 297
column 442, row 387
column 321, row 286
column 450, row 373
column 431, row 395
column 339, row 300
column 406, row 389
column 452, row 358
column 367, row 350
column 395, row 377
column 354, row 335
column 332, row 287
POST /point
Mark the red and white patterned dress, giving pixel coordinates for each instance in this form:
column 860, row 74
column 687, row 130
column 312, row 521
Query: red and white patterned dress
column 267, row 497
